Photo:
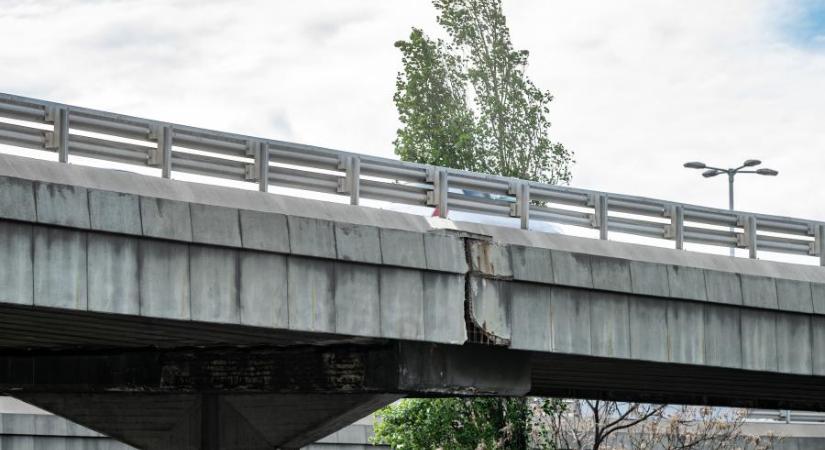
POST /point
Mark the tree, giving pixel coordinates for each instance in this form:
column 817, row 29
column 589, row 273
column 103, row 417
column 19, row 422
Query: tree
column 456, row 424
column 607, row 425
column 439, row 127
column 589, row 424
column 700, row 428
column 468, row 103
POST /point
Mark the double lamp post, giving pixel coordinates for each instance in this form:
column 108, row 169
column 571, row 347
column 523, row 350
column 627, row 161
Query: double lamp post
column 731, row 172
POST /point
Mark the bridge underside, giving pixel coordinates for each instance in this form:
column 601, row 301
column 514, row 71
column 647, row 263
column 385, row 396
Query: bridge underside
column 166, row 384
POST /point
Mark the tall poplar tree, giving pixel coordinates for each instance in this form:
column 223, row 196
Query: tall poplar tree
column 467, row 103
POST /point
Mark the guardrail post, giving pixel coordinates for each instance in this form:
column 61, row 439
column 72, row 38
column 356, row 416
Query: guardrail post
column 600, row 214
column 521, row 208
column 438, row 197
column 259, row 171
column 162, row 155
column 59, row 138
column 676, row 230
column 819, row 243
column 351, row 183
column 750, row 233
column 262, row 159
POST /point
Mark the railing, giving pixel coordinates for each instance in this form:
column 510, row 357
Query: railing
column 69, row 130
column 785, row 415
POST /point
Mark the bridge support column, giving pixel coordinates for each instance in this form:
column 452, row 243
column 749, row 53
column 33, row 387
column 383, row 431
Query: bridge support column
column 212, row 421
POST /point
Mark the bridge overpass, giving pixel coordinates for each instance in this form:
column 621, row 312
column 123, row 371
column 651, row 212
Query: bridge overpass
column 172, row 314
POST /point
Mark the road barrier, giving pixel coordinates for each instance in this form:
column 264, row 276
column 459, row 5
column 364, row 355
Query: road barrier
column 70, row 130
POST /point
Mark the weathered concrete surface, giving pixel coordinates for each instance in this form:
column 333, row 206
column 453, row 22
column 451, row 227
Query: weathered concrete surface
column 166, row 258
column 399, row 368
column 595, row 305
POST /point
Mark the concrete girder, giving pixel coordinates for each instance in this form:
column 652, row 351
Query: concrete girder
column 399, row 368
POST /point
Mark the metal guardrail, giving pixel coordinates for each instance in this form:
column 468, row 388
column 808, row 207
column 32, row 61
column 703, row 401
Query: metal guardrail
column 71, row 130
column 786, row 416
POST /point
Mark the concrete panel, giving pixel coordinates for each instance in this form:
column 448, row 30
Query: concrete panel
column 264, row 231
column 818, row 340
column 723, row 287
column 353, row 434
column 113, row 274
column 444, row 308
column 46, row 425
column 759, row 292
column 818, row 296
column 62, row 205
column 571, row 269
column 723, row 339
column 570, row 319
column 114, row 212
column 214, row 281
column 17, row 442
column 531, row 264
column 403, row 248
column 215, row 225
column 609, row 324
column 164, row 279
column 794, row 296
column 402, row 303
column 610, row 274
column 357, row 243
column 16, row 282
column 686, row 282
column 17, row 424
column 357, row 302
column 445, row 253
column 491, row 306
column 264, row 290
column 648, row 328
column 17, row 199
column 530, row 316
column 686, row 332
column 788, row 443
column 165, row 219
column 60, row 268
column 649, row 279
column 758, row 340
column 794, row 343
column 311, row 290
column 490, row 258
column 311, row 237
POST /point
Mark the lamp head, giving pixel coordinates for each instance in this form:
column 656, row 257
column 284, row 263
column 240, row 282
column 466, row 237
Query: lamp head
column 711, row 173
column 752, row 162
column 768, row 172
column 695, row 165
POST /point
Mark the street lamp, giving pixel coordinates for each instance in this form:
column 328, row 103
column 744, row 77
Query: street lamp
column 713, row 171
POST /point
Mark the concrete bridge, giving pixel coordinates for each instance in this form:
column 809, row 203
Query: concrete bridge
column 171, row 314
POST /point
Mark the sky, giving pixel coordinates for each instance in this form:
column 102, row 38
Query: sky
column 640, row 86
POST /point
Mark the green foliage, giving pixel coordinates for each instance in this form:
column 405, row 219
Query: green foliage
column 468, row 104
column 439, row 127
column 454, row 424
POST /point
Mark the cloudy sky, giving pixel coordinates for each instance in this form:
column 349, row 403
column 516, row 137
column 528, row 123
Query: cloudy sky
column 641, row 85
